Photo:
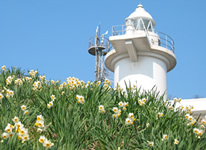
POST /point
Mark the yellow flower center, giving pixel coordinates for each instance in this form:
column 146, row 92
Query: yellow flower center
column 47, row 145
column 39, row 124
column 41, row 140
column 4, row 136
column 22, row 132
column 8, row 130
column 200, row 133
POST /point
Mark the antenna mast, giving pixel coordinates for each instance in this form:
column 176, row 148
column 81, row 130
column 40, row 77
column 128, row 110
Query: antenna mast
column 99, row 46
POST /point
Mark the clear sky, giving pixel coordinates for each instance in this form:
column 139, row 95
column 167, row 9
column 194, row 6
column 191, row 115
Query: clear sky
column 52, row 36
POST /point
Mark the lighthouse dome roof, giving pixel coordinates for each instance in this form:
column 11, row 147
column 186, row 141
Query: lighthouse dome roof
column 140, row 12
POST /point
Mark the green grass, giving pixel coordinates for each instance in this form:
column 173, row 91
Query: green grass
column 70, row 125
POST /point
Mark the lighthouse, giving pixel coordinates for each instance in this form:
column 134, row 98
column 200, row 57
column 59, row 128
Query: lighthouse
column 140, row 56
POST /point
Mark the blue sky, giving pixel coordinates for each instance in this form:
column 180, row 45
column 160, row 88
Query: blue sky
column 52, row 36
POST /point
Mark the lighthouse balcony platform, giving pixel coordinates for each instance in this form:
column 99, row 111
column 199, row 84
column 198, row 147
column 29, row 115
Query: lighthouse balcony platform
column 137, row 43
column 164, row 40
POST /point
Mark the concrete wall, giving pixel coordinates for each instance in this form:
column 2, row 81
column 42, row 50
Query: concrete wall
column 146, row 72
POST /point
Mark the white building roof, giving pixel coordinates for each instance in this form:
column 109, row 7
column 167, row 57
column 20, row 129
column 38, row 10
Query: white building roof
column 141, row 13
column 199, row 105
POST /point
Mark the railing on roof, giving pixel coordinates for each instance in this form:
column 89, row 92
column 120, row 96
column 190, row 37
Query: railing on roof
column 102, row 42
column 118, row 30
column 164, row 39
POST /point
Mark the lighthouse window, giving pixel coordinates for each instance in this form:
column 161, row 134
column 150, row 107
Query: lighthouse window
column 150, row 27
column 139, row 24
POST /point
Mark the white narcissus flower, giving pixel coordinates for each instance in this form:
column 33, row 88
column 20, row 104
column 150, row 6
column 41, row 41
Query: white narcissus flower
column 102, row 111
column 150, row 143
column 25, row 137
column 126, row 104
column 26, row 112
column 8, row 129
column 200, row 132
column 165, row 136
column 50, row 104
column 1, row 96
column 19, row 125
column 147, row 125
column 115, row 109
column 176, row 141
column 40, row 123
column 101, row 107
column 47, row 144
column 42, row 139
column 23, row 131
column 23, row 107
column 203, row 121
column 115, row 115
column 80, row 99
column 187, row 116
column 131, row 116
column 5, row 135
column 160, row 114
column 190, row 118
column 11, row 93
column 39, row 117
column 144, row 100
column 195, row 130
column 121, row 104
column 39, row 130
column 53, row 97
column 11, row 134
column 3, row 67
column 128, row 121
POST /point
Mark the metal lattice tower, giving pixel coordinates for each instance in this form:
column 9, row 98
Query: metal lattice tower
column 99, row 46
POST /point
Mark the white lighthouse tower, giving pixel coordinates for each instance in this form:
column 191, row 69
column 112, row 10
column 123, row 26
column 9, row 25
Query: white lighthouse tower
column 140, row 55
